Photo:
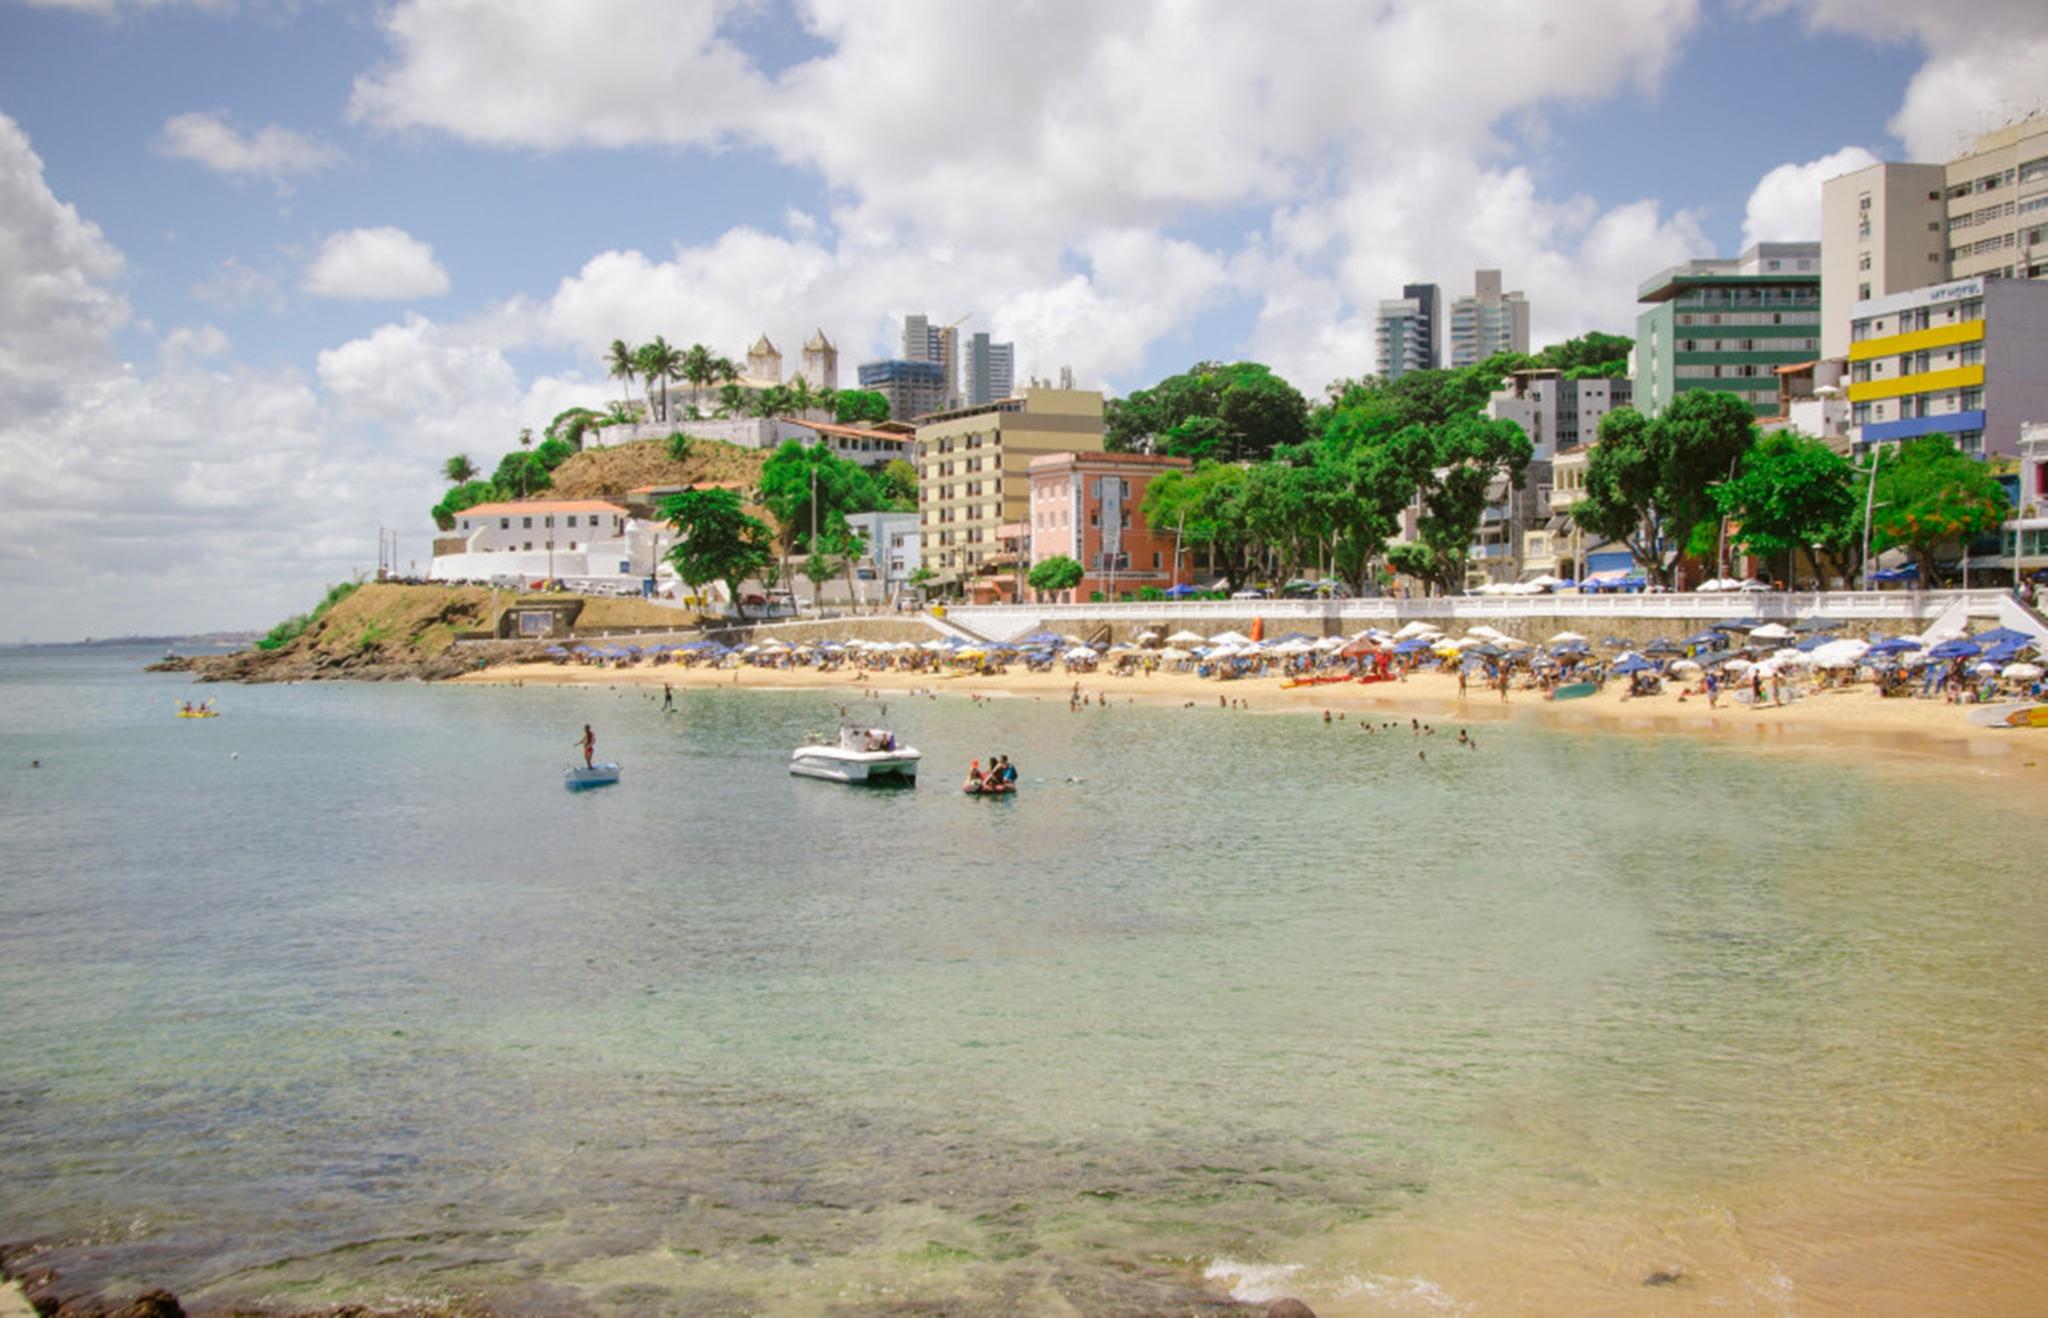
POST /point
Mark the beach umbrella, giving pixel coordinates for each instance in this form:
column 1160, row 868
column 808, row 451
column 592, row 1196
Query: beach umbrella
column 1937, row 635
column 1567, row 638
column 1415, row 629
column 1634, row 663
column 1487, row 651
column 1147, row 638
column 1079, row 652
column 1663, row 645
column 2002, row 636
column 1413, row 646
column 1222, row 652
column 1708, row 637
column 1954, row 650
column 1329, row 643
column 1616, row 642
column 1685, row 665
column 555, row 651
column 1814, row 642
column 1984, row 670
column 2021, row 672
column 1185, row 637
column 1840, row 654
column 1173, row 654
column 1711, row 658
column 1894, row 645
column 1229, row 638
column 1770, row 631
column 934, row 646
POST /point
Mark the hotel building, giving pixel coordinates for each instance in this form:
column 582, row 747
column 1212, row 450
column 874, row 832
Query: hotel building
column 1728, row 325
column 1088, row 506
column 1409, row 332
column 973, row 474
column 1967, row 359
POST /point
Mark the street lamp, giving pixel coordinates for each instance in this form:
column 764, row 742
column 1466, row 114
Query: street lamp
column 1869, row 495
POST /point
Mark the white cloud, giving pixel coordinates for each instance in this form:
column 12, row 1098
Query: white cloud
column 234, row 284
column 383, row 263
column 270, row 152
column 193, row 343
column 1785, row 204
column 1983, row 67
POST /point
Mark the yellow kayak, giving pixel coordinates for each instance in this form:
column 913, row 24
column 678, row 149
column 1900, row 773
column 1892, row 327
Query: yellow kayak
column 198, row 713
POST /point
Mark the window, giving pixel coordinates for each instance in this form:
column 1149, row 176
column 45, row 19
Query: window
column 526, row 524
column 504, row 523
column 1863, row 261
column 1863, row 292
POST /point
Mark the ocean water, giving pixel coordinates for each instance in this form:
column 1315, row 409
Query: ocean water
column 341, row 997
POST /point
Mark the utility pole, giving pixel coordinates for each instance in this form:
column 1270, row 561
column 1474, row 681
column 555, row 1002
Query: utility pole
column 1870, row 506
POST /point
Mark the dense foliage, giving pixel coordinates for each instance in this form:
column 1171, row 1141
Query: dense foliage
column 1788, row 493
column 854, row 407
column 718, row 540
column 1649, row 481
column 1932, row 496
column 1230, row 413
column 1060, row 572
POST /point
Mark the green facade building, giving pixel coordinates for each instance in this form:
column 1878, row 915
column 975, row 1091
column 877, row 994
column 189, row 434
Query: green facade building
column 1728, row 325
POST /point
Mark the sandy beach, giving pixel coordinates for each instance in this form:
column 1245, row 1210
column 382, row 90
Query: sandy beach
column 1854, row 722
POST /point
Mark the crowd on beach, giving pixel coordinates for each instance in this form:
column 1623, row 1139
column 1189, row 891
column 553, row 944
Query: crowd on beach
column 1748, row 660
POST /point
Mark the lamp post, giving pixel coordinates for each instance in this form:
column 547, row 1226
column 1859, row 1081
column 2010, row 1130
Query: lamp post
column 1869, row 506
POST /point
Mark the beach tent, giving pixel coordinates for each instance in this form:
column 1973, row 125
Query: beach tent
column 1229, row 638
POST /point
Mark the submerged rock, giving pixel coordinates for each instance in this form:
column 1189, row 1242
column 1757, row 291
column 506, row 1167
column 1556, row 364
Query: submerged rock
column 1289, row 1308
column 1665, row 1277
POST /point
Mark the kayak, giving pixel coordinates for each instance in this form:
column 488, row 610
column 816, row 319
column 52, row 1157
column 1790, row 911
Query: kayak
column 576, row 777
column 2014, row 714
column 198, row 713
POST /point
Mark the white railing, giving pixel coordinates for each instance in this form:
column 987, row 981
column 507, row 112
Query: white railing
column 1002, row 622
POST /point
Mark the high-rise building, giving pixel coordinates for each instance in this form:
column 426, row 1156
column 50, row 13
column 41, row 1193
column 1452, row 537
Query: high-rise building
column 1883, row 230
column 973, row 474
column 988, row 371
column 926, row 342
column 1967, row 359
column 1890, row 228
column 821, row 362
column 1488, row 322
column 912, row 388
column 1728, row 325
column 1409, row 330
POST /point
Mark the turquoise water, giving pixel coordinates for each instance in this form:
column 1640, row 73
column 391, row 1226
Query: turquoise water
column 342, row 997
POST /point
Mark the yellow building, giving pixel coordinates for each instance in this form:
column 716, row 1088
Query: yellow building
column 973, row 472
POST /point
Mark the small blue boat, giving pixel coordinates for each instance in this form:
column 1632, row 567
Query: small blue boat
column 576, row 777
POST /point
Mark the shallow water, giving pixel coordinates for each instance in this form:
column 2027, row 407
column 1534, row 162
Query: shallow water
column 342, row 997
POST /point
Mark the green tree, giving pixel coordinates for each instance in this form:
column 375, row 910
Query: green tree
column 853, row 407
column 521, row 474
column 772, row 401
column 553, row 453
column 570, row 424
column 1464, row 460
column 1055, row 574
column 466, row 495
column 699, row 366
column 1931, row 497
column 1207, row 509
column 659, row 361
column 717, row 540
column 922, row 578
column 798, row 392
column 850, row 546
column 459, row 469
column 1228, row 412
column 677, row 446
column 1649, row 481
column 819, row 568
column 1788, row 493
column 1591, row 356
column 897, row 484
column 623, row 364
column 732, row 399
column 805, row 487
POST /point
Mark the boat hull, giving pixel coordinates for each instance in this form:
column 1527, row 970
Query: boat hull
column 843, row 766
column 577, row 778
column 1574, row 691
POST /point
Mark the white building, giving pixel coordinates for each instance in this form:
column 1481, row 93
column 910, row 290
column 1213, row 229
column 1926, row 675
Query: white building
column 584, row 541
column 892, row 550
column 1556, row 413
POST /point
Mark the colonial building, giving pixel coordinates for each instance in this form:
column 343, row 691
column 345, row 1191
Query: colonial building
column 586, row 541
column 1089, row 507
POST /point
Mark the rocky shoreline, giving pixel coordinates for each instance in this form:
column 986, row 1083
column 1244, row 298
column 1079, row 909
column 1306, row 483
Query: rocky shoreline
column 40, row 1288
column 305, row 665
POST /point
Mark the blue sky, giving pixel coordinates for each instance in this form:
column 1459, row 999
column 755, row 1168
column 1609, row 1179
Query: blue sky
column 399, row 231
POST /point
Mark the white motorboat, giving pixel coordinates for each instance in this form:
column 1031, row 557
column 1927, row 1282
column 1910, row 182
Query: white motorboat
column 861, row 755
column 577, row 777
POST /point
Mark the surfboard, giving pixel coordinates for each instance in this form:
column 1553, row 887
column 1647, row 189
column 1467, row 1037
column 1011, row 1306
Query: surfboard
column 2033, row 716
column 1995, row 716
column 1574, row 691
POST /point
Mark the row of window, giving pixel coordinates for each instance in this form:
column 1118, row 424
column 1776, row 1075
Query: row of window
column 1982, row 247
column 1748, row 318
column 1916, row 318
column 949, row 444
column 1748, row 371
column 1748, row 345
column 1985, row 215
column 1918, row 363
column 1913, row 406
column 1797, row 295
column 526, row 523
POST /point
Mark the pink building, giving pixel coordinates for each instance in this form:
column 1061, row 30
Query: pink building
column 1087, row 506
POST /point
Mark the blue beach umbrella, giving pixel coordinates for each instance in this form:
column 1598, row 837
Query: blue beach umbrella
column 1893, row 645
column 1814, row 642
column 1954, row 650
column 2001, row 637
column 1632, row 664
column 1708, row 637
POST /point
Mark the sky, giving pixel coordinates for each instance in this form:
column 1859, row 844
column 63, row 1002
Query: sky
column 265, row 264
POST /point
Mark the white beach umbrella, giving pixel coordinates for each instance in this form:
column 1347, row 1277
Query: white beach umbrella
column 1685, row 666
column 1223, row 652
column 1079, row 652
column 750, row 649
column 935, row 646
column 1148, row 638
column 1791, row 658
column 2021, row 672
column 1185, row 637
column 1738, row 665
column 1331, row 643
column 1940, row 634
column 1514, row 643
column 1771, row 631
column 1985, row 669
column 1173, row 654
column 1229, row 638
column 1415, row 629
column 1563, row 637
column 1486, row 633
column 1840, row 654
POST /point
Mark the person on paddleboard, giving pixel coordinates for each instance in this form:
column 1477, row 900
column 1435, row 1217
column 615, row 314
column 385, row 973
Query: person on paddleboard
column 589, row 744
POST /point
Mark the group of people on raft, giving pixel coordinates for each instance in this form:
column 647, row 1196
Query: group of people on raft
column 1000, row 778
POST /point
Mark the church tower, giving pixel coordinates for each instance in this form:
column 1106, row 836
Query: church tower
column 821, row 362
column 764, row 363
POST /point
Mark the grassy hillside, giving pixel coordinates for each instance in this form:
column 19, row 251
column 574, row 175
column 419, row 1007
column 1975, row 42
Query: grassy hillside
column 607, row 473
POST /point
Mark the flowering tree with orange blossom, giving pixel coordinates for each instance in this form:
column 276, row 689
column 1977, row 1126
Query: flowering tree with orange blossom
column 1932, row 496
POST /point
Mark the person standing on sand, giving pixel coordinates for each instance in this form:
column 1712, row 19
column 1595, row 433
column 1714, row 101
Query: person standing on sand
column 1713, row 684
column 668, row 698
column 1503, row 684
column 1462, row 677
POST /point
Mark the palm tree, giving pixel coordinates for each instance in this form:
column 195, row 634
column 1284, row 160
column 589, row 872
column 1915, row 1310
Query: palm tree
column 526, row 437
column 800, row 398
column 700, row 367
column 459, row 469
column 770, row 401
column 659, row 360
column 732, row 399
column 623, row 366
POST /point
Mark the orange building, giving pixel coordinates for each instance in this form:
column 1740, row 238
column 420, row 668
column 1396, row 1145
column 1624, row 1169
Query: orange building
column 1088, row 506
